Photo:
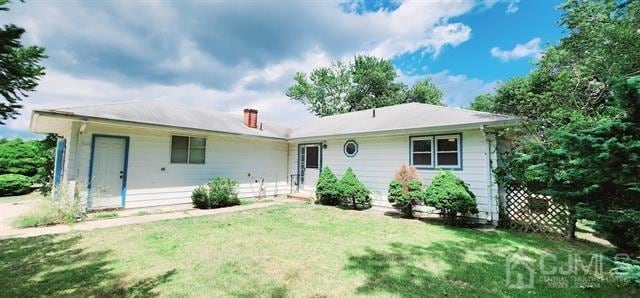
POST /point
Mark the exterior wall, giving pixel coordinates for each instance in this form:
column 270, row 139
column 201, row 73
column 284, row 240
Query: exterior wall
column 246, row 160
column 379, row 157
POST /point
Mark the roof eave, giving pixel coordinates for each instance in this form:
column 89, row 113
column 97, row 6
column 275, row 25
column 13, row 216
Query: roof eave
column 467, row 126
column 73, row 116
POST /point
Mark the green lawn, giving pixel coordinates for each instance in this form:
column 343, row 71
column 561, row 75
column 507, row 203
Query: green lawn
column 300, row 250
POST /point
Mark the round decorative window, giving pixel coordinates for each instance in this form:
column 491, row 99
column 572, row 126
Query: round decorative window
column 350, row 148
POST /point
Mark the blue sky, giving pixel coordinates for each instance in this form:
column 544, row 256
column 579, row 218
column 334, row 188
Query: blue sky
column 236, row 54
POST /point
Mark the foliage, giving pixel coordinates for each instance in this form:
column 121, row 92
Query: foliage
column 104, row 214
column 450, row 195
column 405, row 197
column 20, row 157
column 327, row 188
column 405, row 190
column 425, row 91
column 353, row 193
column 222, row 192
column 621, row 228
column 63, row 209
column 627, row 269
column 368, row 82
column 483, row 103
column 30, row 158
column 20, row 68
column 595, row 166
column 14, row 184
column 200, row 197
column 47, row 152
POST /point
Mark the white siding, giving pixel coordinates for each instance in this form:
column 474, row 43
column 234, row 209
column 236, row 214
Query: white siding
column 246, row 160
column 379, row 157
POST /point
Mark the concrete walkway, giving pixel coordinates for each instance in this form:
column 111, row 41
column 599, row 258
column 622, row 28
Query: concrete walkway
column 129, row 220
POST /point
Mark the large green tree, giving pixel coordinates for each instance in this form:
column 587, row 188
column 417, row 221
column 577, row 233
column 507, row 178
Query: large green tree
column 425, row 91
column 597, row 166
column 576, row 145
column 20, row 68
column 368, row 82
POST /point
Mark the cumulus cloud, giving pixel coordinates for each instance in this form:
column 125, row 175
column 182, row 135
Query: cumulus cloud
column 219, row 55
column 529, row 49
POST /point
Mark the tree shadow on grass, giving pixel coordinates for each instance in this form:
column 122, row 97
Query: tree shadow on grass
column 57, row 266
column 475, row 265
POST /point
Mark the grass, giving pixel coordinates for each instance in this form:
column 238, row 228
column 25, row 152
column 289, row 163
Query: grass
column 141, row 213
column 104, row 214
column 301, row 250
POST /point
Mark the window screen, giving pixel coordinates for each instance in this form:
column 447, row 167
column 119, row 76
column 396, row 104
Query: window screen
column 188, row 149
column 312, row 161
column 447, row 151
column 421, row 152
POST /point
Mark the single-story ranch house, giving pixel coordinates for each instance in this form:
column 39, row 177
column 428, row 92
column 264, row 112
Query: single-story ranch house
column 149, row 153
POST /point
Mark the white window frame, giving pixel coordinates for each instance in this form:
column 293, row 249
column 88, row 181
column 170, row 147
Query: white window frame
column 188, row 150
column 422, row 138
column 458, row 151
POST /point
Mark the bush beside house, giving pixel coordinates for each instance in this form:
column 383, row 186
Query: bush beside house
column 352, row 191
column 451, row 196
column 405, row 190
column 220, row 192
column 14, row 184
column 327, row 190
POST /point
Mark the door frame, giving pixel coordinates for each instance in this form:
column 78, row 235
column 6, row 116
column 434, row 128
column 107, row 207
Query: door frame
column 123, row 189
column 298, row 159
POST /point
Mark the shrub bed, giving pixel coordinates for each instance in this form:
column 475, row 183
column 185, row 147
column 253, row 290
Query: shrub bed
column 352, row 192
column 405, row 190
column 220, row 192
column 14, row 184
column 327, row 189
column 451, row 196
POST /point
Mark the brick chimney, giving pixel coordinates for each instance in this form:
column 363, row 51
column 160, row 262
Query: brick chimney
column 251, row 118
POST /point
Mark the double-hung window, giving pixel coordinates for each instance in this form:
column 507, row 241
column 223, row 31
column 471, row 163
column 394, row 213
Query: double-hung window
column 189, row 150
column 436, row 151
column 448, row 151
column 422, row 152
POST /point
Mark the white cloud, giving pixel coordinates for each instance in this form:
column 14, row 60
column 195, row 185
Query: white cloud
column 512, row 7
column 458, row 90
column 529, row 49
column 219, row 55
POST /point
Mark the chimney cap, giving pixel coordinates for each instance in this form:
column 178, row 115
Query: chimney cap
column 251, row 110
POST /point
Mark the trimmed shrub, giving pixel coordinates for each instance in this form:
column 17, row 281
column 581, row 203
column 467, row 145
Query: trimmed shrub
column 21, row 157
column 621, row 228
column 14, row 184
column 451, row 196
column 327, row 188
column 352, row 192
column 222, row 192
column 200, row 198
column 405, row 190
column 405, row 197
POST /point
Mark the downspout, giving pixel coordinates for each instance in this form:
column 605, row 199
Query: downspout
column 489, row 176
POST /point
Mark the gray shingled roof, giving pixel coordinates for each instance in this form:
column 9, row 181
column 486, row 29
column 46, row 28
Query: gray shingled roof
column 153, row 112
column 393, row 118
column 399, row 117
